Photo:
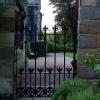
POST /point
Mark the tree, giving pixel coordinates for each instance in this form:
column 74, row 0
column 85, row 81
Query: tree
column 66, row 13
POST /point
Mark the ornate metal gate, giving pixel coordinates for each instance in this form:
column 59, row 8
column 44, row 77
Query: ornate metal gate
column 43, row 69
column 40, row 76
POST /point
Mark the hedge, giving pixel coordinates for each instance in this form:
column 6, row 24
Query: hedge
column 40, row 47
column 58, row 48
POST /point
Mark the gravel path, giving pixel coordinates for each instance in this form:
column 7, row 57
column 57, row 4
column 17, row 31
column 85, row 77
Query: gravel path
column 40, row 61
column 46, row 79
column 50, row 64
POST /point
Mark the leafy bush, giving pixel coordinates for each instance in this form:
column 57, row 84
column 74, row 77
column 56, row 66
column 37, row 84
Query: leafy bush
column 69, row 87
column 59, row 42
column 92, row 61
column 50, row 46
column 39, row 47
column 77, row 89
column 82, row 95
column 97, row 96
column 59, row 48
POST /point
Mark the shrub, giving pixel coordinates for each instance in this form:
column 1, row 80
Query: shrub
column 50, row 46
column 97, row 96
column 82, row 95
column 59, row 48
column 69, row 87
column 77, row 89
column 40, row 47
column 92, row 61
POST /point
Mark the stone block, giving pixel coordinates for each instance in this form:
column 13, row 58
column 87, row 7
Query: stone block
column 6, row 69
column 86, row 73
column 8, row 10
column 7, row 24
column 7, row 53
column 98, row 2
column 89, row 13
column 82, row 53
column 87, row 41
column 88, row 2
column 89, row 26
column 6, row 39
column 98, row 50
column 5, row 87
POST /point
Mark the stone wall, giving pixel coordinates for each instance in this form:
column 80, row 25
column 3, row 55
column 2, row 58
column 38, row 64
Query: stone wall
column 7, row 39
column 89, row 30
column 7, row 36
column 7, row 42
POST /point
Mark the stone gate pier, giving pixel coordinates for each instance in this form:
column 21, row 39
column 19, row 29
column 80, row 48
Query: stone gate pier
column 88, row 30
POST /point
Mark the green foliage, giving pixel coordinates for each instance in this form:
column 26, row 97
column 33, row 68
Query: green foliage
column 59, row 42
column 69, row 54
column 60, row 38
column 77, row 89
column 92, row 62
column 82, row 95
column 97, row 96
column 40, row 48
column 59, row 48
column 66, row 14
column 50, row 46
column 98, row 84
column 69, row 87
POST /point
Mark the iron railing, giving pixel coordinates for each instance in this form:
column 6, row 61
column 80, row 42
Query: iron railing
column 40, row 81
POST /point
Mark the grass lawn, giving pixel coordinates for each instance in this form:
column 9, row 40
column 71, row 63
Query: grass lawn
column 69, row 54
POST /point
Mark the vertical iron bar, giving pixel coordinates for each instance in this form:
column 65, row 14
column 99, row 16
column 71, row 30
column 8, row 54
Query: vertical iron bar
column 16, row 68
column 74, row 62
column 15, row 50
column 50, row 72
column 45, row 57
column 69, row 72
column 73, row 26
column 26, row 34
column 49, row 79
column 25, row 58
column 30, row 75
column 40, row 78
column 59, row 72
column 35, row 53
column 55, row 30
column 25, row 64
column 20, row 73
column 59, row 77
column 40, row 73
column 20, row 80
column 30, row 79
column 45, row 32
column 64, row 53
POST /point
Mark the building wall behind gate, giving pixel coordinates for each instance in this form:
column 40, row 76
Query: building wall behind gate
column 89, row 30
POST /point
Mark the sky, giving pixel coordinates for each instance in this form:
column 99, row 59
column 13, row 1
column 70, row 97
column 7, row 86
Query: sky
column 47, row 12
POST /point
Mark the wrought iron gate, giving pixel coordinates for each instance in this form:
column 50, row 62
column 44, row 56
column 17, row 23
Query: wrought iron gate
column 40, row 81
